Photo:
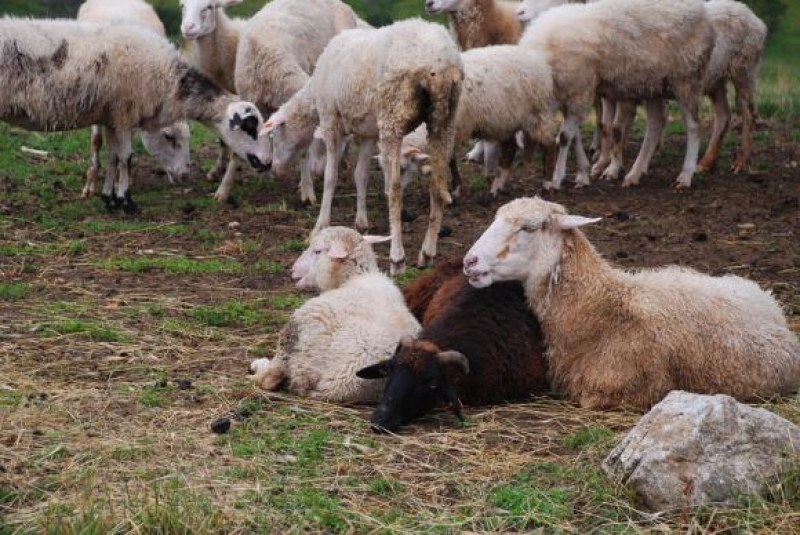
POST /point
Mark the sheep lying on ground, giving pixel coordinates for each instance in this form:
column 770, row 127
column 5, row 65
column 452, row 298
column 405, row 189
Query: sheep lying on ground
column 419, row 82
column 626, row 339
column 212, row 39
column 60, row 75
column 625, row 49
column 170, row 145
column 357, row 320
column 479, row 346
column 494, row 111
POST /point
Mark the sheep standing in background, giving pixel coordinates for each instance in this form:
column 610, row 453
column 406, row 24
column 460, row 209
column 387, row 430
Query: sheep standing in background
column 170, row 145
column 626, row 339
column 477, row 346
column 419, row 82
column 625, row 49
column 357, row 320
column 492, row 111
column 212, row 40
column 277, row 52
column 58, row 75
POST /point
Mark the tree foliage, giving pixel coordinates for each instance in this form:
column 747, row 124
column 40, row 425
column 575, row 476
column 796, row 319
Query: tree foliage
column 770, row 11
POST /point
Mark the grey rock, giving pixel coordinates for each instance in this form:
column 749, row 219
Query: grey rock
column 693, row 450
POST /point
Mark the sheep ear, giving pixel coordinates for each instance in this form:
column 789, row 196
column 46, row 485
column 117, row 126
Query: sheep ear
column 567, row 222
column 454, row 357
column 375, row 371
column 420, row 157
column 376, row 239
column 337, row 251
column 272, row 123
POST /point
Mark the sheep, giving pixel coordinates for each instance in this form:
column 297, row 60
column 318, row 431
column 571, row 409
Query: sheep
column 738, row 46
column 277, row 52
column 479, row 346
column 479, row 23
column 494, row 111
column 625, row 49
column 357, row 319
column 617, row 338
column 60, row 75
column 170, row 145
column 212, row 38
column 419, row 81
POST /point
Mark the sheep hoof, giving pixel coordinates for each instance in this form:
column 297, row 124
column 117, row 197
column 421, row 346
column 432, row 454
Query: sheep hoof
column 362, row 225
column 398, row 267
column 582, row 180
column 127, row 204
column 629, row 183
column 109, row 202
column 739, row 166
column 549, row 185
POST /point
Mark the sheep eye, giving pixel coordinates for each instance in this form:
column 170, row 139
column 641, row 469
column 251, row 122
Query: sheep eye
column 529, row 228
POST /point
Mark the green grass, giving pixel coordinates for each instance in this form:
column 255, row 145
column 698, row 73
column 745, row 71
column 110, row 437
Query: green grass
column 86, row 328
column 779, row 81
column 173, row 265
column 230, row 313
column 587, row 437
column 13, row 291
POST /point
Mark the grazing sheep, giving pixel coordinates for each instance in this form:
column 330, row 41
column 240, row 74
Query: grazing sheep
column 212, row 39
column 60, row 75
column 419, row 81
column 494, row 111
column 170, row 145
column 624, row 50
column 626, row 339
column 738, row 46
column 479, row 346
column 357, row 320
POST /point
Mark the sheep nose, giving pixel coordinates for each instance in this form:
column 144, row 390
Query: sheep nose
column 429, row 4
column 470, row 261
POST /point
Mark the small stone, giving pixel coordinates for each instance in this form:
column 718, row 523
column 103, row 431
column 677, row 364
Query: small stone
column 183, row 384
column 234, row 224
column 221, row 426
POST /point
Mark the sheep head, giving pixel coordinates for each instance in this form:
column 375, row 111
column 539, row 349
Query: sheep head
column 437, row 7
column 335, row 255
column 523, row 241
column 170, row 147
column 239, row 129
column 288, row 139
column 418, row 376
column 199, row 17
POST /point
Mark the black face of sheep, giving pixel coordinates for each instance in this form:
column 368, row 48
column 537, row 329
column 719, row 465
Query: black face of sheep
column 419, row 376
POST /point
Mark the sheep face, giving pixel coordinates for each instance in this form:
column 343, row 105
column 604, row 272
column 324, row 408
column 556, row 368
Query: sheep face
column 170, row 147
column 530, row 9
column 412, row 162
column 287, row 140
column 523, row 241
column 239, row 130
column 418, row 377
column 199, row 17
column 334, row 255
column 437, row 7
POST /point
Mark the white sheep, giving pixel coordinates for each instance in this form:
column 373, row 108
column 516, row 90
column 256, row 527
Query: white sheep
column 358, row 319
column 625, row 49
column 419, row 80
column 738, row 46
column 494, row 111
column 170, row 145
column 617, row 338
column 60, row 75
column 212, row 38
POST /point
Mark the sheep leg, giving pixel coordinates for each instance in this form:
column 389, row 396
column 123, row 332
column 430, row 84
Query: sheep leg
column 124, row 158
column 602, row 120
column 745, row 92
column 313, row 165
column 390, row 162
column 569, row 128
column 440, row 151
column 223, row 192
column 623, row 120
column 722, row 116
column 691, row 110
column 361, row 176
column 655, row 123
column 604, row 127
column 333, row 141
column 477, row 152
column 491, row 159
column 582, row 178
column 112, row 168
column 507, row 151
column 455, row 179
column 94, row 167
column 221, row 165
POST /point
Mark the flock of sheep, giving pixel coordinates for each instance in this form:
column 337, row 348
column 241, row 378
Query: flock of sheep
column 538, row 309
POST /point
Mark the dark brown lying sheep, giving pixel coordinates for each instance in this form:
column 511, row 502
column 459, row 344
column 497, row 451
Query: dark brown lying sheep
column 482, row 346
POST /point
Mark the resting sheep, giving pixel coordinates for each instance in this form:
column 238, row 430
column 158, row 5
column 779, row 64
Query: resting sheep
column 477, row 346
column 495, row 111
column 60, row 75
column 419, row 82
column 616, row 338
column 357, row 320
column 170, row 145
column 625, row 50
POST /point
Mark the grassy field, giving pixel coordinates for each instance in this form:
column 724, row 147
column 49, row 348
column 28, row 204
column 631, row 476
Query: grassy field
column 122, row 338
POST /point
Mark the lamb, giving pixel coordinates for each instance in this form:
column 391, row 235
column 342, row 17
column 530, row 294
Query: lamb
column 419, row 81
column 738, row 46
column 479, row 346
column 624, row 50
column 357, row 319
column 213, row 38
column 170, row 146
column 495, row 111
column 60, row 75
column 626, row 339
